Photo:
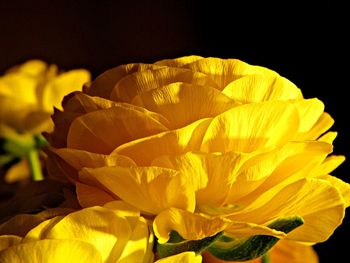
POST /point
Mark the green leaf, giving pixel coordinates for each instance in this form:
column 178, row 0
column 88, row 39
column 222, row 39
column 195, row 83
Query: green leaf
column 243, row 249
column 173, row 247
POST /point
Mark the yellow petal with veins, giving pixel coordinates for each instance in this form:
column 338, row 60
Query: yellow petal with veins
column 150, row 189
column 62, row 85
column 139, row 82
column 55, row 251
column 102, row 131
column 193, row 226
column 178, row 62
column 183, row 103
column 252, row 127
column 173, row 142
column 258, row 88
column 184, row 257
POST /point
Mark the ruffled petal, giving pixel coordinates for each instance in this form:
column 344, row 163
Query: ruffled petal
column 150, row 189
column 193, row 226
column 103, row 85
column 258, row 88
column 65, row 83
column 173, row 142
column 178, row 62
column 224, row 71
column 142, row 81
column 102, row 131
column 318, row 202
column 56, row 251
column 252, row 127
column 183, row 103
column 185, row 257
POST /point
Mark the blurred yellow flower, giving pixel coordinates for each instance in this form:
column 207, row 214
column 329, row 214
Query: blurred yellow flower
column 113, row 233
column 202, row 145
column 28, row 95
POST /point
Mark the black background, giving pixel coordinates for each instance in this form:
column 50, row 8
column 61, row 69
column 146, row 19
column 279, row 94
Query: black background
column 305, row 43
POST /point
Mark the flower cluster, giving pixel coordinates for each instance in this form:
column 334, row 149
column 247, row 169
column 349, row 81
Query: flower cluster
column 187, row 160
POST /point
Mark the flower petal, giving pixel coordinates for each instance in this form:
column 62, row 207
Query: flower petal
column 194, row 226
column 174, row 142
column 224, row 71
column 98, row 226
column 62, row 85
column 322, row 125
column 102, row 131
column 137, row 83
column 185, row 257
column 252, row 127
column 136, row 248
column 178, row 62
column 91, row 195
column 258, row 88
column 210, row 175
column 56, row 251
column 190, row 226
column 103, row 85
column 150, row 189
column 316, row 201
column 183, row 103
column 7, row 241
column 310, row 111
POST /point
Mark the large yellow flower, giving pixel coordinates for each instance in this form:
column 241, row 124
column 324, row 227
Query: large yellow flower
column 28, row 95
column 202, row 145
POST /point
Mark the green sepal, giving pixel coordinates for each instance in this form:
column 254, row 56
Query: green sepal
column 177, row 244
column 19, row 145
column 242, row 249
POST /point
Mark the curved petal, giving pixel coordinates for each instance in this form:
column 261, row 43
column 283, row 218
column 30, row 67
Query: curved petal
column 258, row 88
column 183, row 103
column 173, row 142
column 150, row 189
column 252, row 127
column 7, row 241
column 310, row 111
column 98, row 226
column 185, row 257
column 178, row 62
column 194, row 226
column 224, row 71
column 56, row 251
column 322, row 125
column 102, row 131
column 79, row 159
column 210, row 175
column 65, row 83
column 103, row 85
column 142, row 81
column 276, row 169
column 318, row 202
column 91, row 196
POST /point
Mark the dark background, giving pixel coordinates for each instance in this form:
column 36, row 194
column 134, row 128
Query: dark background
column 305, row 43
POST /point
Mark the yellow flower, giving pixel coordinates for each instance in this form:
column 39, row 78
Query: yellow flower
column 202, row 145
column 28, row 95
column 113, row 233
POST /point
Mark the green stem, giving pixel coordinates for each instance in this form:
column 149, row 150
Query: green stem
column 265, row 258
column 34, row 163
